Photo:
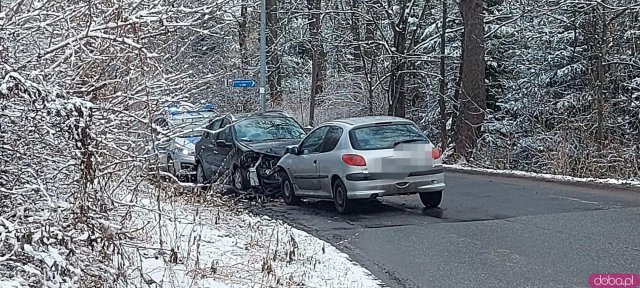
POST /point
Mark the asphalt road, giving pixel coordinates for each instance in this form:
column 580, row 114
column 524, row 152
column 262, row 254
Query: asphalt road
column 489, row 232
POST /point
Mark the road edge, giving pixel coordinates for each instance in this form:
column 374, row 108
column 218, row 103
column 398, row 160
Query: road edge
column 388, row 280
column 633, row 186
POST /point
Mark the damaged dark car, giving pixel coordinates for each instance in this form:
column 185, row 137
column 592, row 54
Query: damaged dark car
column 246, row 147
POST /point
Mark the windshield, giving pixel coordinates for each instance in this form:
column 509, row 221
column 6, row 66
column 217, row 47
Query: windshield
column 185, row 124
column 385, row 136
column 264, row 129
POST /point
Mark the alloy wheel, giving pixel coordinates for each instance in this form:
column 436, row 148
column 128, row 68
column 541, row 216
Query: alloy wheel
column 288, row 193
column 340, row 197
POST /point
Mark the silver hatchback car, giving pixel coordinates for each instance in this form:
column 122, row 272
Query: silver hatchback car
column 363, row 158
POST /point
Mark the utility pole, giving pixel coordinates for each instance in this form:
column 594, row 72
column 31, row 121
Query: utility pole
column 263, row 56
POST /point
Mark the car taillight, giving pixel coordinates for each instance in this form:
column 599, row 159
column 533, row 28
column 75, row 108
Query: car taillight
column 435, row 153
column 354, row 160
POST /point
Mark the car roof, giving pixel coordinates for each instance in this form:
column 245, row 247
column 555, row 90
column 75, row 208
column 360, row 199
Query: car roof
column 365, row 120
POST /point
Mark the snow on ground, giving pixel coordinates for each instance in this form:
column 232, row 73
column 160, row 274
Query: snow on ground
column 217, row 247
column 553, row 177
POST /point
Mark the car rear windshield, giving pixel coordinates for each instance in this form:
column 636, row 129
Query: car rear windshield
column 384, row 136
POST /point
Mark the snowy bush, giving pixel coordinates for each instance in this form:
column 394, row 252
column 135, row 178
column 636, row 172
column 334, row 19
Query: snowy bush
column 78, row 84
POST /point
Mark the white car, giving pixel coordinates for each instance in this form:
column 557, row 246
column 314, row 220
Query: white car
column 363, row 158
column 177, row 156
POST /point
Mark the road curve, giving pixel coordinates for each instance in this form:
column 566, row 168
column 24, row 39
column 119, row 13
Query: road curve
column 490, row 231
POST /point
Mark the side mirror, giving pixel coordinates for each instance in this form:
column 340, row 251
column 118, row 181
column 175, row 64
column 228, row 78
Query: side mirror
column 292, row 150
column 222, row 143
column 308, row 129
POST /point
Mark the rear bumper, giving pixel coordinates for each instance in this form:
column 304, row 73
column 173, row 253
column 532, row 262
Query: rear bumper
column 366, row 189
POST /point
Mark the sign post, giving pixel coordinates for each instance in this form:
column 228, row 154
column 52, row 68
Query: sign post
column 263, row 53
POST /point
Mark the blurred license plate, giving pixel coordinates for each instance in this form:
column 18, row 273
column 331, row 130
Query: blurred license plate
column 409, row 158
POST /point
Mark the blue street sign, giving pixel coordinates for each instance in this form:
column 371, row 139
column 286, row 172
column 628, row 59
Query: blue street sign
column 243, row 83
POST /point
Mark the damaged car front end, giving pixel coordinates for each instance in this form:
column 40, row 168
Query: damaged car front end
column 247, row 149
column 260, row 166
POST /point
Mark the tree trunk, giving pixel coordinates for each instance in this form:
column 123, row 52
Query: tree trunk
column 472, row 93
column 356, row 21
column 367, row 55
column 242, row 39
column 315, row 25
column 602, row 54
column 367, row 69
column 397, row 93
column 443, row 79
column 458, row 109
column 273, row 59
column 312, row 98
column 369, row 36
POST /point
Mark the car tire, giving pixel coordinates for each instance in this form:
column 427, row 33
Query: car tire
column 238, row 181
column 288, row 193
column 340, row 198
column 431, row 199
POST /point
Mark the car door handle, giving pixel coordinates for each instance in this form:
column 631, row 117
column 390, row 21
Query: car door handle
column 215, row 151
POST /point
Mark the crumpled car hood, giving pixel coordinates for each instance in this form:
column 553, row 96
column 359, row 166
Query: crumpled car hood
column 274, row 147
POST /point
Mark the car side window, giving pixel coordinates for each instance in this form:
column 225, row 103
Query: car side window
column 229, row 136
column 215, row 125
column 225, row 135
column 331, row 139
column 313, row 142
